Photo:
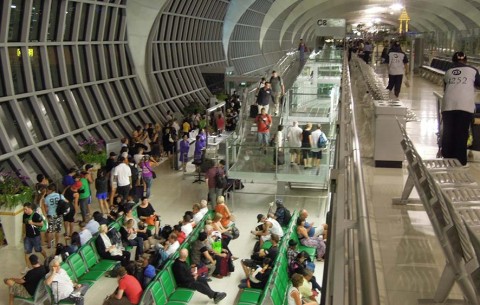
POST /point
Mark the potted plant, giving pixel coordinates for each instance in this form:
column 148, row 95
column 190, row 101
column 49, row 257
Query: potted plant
column 93, row 151
column 14, row 192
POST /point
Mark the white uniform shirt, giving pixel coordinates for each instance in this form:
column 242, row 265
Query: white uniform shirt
column 85, row 236
column 460, row 88
column 396, row 63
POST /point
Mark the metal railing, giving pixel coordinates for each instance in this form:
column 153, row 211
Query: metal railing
column 350, row 238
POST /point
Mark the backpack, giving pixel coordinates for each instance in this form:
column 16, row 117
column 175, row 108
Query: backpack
column 63, row 207
column 287, row 217
column 220, row 181
column 322, row 141
column 44, row 227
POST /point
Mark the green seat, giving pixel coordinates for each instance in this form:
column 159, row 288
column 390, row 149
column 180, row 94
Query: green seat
column 80, row 269
column 172, row 292
column 159, row 297
column 65, row 266
column 250, row 296
column 266, row 245
column 38, row 297
column 91, row 259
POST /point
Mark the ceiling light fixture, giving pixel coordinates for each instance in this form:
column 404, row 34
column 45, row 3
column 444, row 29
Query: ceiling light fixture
column 396, row 7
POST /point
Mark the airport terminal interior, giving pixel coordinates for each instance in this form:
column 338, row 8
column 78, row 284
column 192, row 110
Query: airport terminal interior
column 399, row 223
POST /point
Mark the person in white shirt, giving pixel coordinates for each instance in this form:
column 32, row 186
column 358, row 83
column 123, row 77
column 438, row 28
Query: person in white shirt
column 294, row 138
column 270, row 226
column 62, row 286
column 197, row 215
column 122, row 176
column 317, row 151
column 84, row 233
column 187, row 226
column 92, row 226
column 203, row 207
column 165, row 251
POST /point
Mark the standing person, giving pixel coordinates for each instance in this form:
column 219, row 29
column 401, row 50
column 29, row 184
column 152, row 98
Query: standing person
column 84, row 197
column 278, row 90
column 25, row 287
column 367, row 51
column 316, row 150
column 278, row 140
column 307, row 143
column 458, row 107
column 101, row 186
column 72, row 195
column 214, row 190
column 264, row 122
column 302, row 49
column 187, row 277
column 397, row 66
column 264, row 97
column 184, row 148
column 261, row 84
column 220, row 121
column 122, row 177
column 147, row 175
column 33, row 222
column 50, row 203
column 128, row 292
column 294, row 138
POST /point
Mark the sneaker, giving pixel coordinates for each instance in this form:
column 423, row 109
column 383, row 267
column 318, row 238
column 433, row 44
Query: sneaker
column 219, row 296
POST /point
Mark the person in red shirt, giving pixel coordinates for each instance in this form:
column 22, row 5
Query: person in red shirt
column 129, row 290
column 264, row 122
column 177, row 229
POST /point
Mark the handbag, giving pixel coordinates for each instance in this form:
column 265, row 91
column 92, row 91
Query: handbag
column 154, row 175
column 150, row 220
column 235, row 232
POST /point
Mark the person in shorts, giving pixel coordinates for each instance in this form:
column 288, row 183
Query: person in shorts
column 33, row 222
column 25, row 287
column 50, row 203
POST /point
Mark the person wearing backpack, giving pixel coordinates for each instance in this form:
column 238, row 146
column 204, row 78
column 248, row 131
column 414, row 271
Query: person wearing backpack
column 213, row 177
column 55, row 219
column 320, row 140
column 33, row 223
column 282, row 214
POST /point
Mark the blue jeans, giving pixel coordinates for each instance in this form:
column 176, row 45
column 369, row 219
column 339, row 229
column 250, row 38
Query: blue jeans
column 264, row 138
column 148, row 183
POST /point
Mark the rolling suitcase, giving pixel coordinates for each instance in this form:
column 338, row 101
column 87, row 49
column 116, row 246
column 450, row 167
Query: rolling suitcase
column 253, row 111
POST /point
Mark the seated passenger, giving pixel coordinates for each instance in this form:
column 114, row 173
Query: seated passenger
column 108, row 251
column 256, row 277
column 187, row 277
column 129, row 290
column 63, row 289
column 25, row 287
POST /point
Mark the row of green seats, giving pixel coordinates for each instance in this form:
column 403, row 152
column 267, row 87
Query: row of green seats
column 250, row 296
column 163, row 289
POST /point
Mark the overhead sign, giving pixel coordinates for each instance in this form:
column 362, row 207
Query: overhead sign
column 331, row 27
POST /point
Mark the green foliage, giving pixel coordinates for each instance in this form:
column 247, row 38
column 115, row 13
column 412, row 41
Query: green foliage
column 194, row 107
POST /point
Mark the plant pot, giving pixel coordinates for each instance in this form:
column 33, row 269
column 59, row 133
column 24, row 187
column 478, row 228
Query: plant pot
column 12, row 222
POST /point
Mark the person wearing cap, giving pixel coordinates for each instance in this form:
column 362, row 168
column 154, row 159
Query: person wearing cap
column 270, row 227
column 25, row 287
column 458, row 107
column 72, row 195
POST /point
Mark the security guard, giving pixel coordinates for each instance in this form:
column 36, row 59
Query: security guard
column 397, row 66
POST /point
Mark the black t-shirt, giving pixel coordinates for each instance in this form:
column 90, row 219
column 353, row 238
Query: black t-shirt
column 32, row 230
column 33, row 277
column 263, row 278
column 147, row 211
column 306, row 138
column 182, row 273
column 272, row 254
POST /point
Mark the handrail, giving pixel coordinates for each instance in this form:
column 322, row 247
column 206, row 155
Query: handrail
column 349, row 213
column 368, row 274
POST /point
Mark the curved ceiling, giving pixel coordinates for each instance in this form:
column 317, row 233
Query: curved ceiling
column 426, row 15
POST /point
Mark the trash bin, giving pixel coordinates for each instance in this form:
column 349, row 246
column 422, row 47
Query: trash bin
column 387, row 149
